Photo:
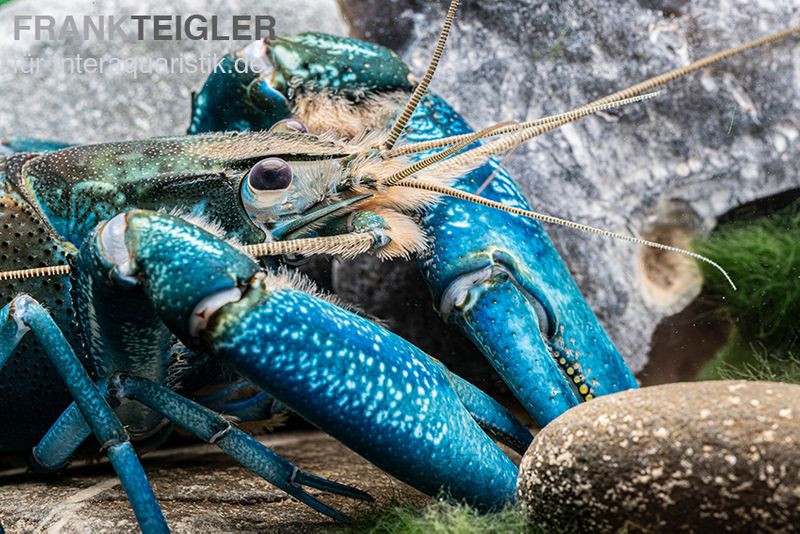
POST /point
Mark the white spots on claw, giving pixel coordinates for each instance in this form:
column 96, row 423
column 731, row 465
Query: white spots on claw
column 326, row 361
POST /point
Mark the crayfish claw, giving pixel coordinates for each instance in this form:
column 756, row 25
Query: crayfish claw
column 312, row 481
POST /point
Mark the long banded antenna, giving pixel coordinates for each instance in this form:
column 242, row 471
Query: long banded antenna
column 633, row 90
column 661, row 79
column 346, row 245
column 419, row 91
column 463, row 195
column 508, row 127
column 440, row 156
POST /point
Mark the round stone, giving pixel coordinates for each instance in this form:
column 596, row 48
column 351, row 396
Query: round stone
column 691, row 456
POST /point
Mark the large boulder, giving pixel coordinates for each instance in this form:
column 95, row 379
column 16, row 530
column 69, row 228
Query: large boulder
column 702, row 456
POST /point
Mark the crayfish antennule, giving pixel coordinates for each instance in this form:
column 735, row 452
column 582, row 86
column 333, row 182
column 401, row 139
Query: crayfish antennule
column 622, row 94
column 345, row 245
column 476, row 155
column 444, row 154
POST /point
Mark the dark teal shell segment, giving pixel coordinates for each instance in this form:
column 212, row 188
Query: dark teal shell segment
column 236, row 97
column 79, row 187
column 32, row 394
column 317, row 61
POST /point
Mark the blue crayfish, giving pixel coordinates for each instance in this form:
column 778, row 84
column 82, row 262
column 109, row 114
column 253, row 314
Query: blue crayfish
column 132, row 267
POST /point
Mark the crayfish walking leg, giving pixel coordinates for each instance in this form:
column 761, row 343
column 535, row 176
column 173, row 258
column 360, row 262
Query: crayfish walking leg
column 24, row 314
column 211, row 427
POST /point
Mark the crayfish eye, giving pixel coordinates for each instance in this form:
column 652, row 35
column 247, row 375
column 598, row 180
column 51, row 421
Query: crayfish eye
column 289, row 125
column 270, row 174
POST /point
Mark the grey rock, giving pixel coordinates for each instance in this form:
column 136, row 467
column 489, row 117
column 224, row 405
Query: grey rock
column 701, row 456
column 368, row 20
column 667, row 169
column 54, row 103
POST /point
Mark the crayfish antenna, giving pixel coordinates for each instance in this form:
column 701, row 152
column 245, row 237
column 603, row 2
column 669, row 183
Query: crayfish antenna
column 419, row 91
column 463, row 195
column 344, row 245
column 480, row 154
column 622, row 94
column 35, row 272
column 441, row 156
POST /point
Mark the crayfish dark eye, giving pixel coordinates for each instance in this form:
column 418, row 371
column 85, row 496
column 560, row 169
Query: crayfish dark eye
column 289, row 125
column 270, row 174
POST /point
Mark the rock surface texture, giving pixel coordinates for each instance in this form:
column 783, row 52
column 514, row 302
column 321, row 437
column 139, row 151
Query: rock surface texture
column 665, row 170
column 703, row 457
column 200, row 490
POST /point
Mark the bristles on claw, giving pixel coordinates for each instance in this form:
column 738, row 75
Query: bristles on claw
column 463, row 195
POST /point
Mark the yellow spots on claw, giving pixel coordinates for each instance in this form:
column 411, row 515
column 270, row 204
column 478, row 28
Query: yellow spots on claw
column 573, row 370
